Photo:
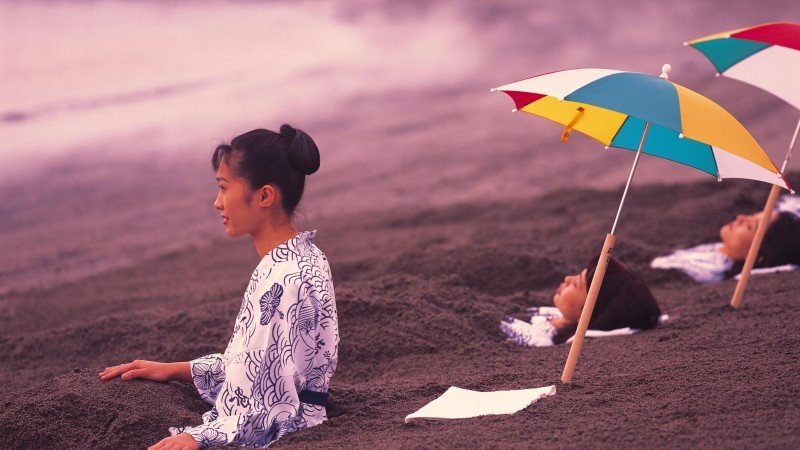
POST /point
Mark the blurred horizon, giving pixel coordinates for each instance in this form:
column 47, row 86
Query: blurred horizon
column 109, row 110
column 78, row 76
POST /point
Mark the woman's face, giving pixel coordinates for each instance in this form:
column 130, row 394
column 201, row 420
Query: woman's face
column 737, row 235
column 571, row 295
column 239, row 209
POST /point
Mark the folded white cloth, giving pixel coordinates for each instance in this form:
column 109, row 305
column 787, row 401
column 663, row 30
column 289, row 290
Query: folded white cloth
column 774, row 269
column 457, row 403
column 607, row 333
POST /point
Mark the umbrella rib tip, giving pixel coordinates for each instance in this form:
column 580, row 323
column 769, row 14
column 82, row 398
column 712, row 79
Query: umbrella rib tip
column 514, row 110
column 493, row 90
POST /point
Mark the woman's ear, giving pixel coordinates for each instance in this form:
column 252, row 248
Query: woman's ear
column 267, row 196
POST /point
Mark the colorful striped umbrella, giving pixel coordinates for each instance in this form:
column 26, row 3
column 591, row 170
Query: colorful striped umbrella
column 651, row 115
column 766, row 56
column 614, row 106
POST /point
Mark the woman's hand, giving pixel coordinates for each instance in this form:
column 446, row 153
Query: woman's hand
column 149, row 370
column 180, row 441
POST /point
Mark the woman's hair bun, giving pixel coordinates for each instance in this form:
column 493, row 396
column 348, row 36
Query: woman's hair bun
column 302, row 152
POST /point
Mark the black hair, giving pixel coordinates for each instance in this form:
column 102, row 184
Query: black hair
column 624, row 300
column 265, row 157
column 781, row 244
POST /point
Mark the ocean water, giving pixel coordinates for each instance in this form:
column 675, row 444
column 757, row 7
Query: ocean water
column 76, row 74
column 119, row 77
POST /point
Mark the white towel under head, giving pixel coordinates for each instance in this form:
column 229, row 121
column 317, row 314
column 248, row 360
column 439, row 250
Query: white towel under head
column 539, row 332
column 773, row 269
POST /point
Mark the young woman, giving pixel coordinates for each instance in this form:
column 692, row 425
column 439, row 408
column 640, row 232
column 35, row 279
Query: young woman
column 624, row 301
column 273, row 377
column 714, row 262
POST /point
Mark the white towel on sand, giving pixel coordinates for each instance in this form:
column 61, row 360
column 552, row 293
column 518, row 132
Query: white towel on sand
column 662, row 319
column 457, row 403
column 774, row 269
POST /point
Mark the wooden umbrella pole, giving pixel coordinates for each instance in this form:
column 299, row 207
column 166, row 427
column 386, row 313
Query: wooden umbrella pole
column 597, row 279
column 736, row 300
column 763, row 224
column 588, row 307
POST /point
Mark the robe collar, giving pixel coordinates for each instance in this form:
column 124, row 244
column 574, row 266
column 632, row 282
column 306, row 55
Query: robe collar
column 299, row 245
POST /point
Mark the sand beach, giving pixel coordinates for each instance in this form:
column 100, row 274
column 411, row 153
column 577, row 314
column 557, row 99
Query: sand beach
column 440, row 211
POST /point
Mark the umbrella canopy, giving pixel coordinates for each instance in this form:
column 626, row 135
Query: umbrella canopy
column 613, row 107
column 766, row 56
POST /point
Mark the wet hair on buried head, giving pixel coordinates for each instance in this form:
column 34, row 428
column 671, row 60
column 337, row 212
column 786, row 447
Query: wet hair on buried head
column 279, row 159
column 781, row 244
column 624, row 300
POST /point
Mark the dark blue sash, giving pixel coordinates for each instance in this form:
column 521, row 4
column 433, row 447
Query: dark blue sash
column 314, row 398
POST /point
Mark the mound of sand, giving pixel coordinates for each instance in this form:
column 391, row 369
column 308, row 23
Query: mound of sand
column 419, row 297
column 80, row 411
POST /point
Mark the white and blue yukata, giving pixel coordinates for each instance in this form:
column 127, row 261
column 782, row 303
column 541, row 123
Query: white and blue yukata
column 705, row 263
column 538, row 332
column 273, row 377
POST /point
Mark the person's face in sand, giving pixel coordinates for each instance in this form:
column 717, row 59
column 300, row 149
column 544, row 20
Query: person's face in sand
column 737, row 235
column 571, row 295
column 243, row 210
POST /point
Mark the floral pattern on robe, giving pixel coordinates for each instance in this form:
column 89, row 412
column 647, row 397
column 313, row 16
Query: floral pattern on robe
column 539, row 332
column 703, row 263
column 283, row 348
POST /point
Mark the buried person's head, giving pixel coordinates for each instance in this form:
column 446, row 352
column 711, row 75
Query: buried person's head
column 624, row 300
column 261, row 177
column 737, row 235
column 781, row 244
